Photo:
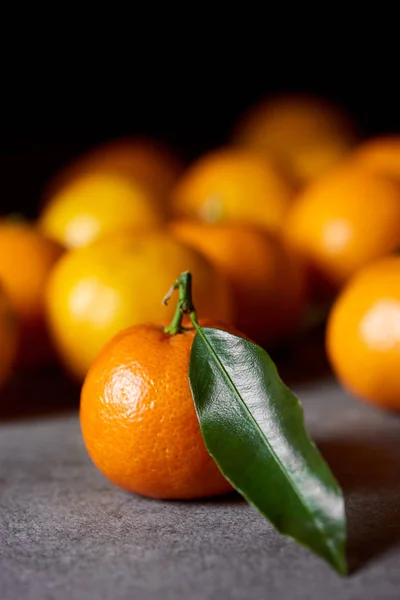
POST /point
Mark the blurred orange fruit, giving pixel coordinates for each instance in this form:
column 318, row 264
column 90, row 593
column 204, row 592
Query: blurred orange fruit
column 267, row 279
column 343, row 221
column 145, row 162
column 363, row 334
column 8, row 336
column 138, row 418
column 96, row 204
column 380, row 154
column 26, row 260
column 307, row 135
column 233, row 185
column 97, row 291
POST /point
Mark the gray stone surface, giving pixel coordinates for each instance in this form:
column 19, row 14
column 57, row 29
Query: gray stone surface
column 67, row 534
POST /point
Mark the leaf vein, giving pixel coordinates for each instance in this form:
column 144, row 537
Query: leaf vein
column 320, row 527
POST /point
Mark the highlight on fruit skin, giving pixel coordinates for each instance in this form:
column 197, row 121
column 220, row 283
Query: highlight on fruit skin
column 306, row 134
column 268, row 280
column 96, row 291
column 27, row 258
column 233, row 185
column 363, row 334
column 343, row 221
column 96, row 204
column 9, row 337
column 138, row 418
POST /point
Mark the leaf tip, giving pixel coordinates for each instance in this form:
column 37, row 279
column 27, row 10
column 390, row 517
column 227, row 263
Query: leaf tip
column 339, row 562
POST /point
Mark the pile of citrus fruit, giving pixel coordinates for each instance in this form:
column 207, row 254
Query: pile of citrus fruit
column 293, row 214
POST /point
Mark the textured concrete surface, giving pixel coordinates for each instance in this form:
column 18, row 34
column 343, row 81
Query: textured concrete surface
column 67, row 534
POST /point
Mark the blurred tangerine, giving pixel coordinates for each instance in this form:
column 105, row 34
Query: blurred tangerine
column 95, row 204
column 144, row 161
column 343, row 221
column 363, row 334
column 27, row 258
column 267, row 279
column 381, row 155
column 8, row 336
column 233, row 185
column 306, row 134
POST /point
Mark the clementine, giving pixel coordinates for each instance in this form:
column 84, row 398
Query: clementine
column 267, row 279
column 27, row 258
column 8, row 336
column 343, row 221
column 232, row 184
column 142, row 161
column 307, row 135
column 138, row 418
column 363, row 334
column 380, row 154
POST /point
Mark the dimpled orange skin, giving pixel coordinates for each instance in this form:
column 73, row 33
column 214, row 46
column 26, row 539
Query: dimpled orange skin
column 363, row 334
column 232, row 184
column 344, row 221
column 138, row 418
column 118, row 281
column 268, row 281
column 27, row 258
column 8, row 337
column 307, row 135
column 380, row 154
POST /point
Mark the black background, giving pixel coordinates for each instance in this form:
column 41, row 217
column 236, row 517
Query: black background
column 51, row 111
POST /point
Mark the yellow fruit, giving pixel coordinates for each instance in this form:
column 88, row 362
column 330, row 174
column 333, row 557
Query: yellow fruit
column 306, row 135
column 233, row 185
column 96, row 204
column 97, row 291
column 8, row 337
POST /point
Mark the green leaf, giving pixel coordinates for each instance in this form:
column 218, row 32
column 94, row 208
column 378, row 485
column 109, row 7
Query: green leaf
column 253, row 427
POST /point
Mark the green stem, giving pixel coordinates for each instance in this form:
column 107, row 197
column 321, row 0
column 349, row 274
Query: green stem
column 184, row 306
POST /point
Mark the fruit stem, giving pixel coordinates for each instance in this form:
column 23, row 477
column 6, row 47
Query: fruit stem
column 185, row 304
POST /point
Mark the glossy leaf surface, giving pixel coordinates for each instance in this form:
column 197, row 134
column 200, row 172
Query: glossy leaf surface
column 253, row 427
